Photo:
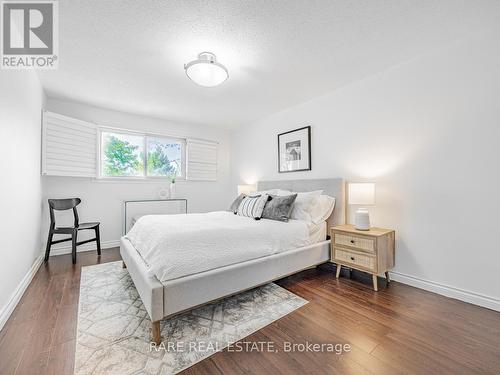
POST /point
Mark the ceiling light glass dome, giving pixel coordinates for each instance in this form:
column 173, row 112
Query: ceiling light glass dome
column 206, row 71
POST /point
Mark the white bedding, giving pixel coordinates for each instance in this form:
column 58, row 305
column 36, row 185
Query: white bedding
column 174, row 246
column 317, row 232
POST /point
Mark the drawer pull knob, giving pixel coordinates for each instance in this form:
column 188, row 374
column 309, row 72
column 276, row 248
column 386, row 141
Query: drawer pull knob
column 352, row 258
column 352, row 241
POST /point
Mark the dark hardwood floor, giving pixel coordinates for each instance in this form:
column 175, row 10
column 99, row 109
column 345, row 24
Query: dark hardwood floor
column 398, row 330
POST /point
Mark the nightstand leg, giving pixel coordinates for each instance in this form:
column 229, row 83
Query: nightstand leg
column 375, row 286
column 387, row 277
column 338, row 270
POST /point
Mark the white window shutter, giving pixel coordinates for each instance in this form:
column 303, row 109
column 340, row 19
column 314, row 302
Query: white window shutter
column 201, row 160
column 69, row 146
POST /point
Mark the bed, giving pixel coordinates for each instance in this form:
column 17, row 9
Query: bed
column 179, row 287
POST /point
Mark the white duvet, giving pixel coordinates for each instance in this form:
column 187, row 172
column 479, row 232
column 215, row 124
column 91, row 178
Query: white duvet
column 174, row 246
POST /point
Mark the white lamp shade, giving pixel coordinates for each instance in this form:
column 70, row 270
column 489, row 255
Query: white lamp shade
column 206, row 71
column 361, row 193
column 246, row 189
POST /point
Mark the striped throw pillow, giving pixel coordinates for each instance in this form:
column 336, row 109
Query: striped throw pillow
column 252, row 206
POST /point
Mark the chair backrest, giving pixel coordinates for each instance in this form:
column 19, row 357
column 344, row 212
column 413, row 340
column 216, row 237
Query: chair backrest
column 63, row 205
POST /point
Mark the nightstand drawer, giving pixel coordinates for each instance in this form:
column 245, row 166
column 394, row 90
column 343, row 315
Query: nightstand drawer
column 356, row 259
column 362, row 243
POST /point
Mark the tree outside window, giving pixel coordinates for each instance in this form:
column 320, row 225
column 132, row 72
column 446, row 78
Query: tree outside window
column 123, row 155
column 164, row 157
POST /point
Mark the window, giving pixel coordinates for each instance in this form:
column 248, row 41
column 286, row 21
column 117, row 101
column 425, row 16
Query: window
column 122, row 155
column 164, row 157
column 134, row 155
column 77, row 148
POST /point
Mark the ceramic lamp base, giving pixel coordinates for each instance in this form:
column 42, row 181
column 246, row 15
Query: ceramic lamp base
column 362, row 219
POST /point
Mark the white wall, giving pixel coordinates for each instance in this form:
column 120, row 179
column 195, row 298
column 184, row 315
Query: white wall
column 428, row 133
column 21, row 99
column 103, row 201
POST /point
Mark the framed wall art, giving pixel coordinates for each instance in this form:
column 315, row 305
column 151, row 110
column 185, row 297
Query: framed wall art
column 294, row 150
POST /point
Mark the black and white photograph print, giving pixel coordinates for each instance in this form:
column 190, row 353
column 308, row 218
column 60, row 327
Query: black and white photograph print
column 294, row 150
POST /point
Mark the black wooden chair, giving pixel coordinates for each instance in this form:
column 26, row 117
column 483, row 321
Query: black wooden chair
column 67, row 204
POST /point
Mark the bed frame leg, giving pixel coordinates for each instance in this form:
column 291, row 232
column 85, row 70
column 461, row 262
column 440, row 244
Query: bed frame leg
column 123, row 264
column 155, row 332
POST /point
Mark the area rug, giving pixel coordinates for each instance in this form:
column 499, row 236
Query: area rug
column 113, row 334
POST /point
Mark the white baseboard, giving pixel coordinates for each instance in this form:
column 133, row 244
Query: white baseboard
column 61, row 250
column 14, row 299
column 448, row 291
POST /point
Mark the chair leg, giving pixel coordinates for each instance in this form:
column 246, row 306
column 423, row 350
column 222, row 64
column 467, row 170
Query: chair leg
column 98, row 240
column 73, row 246
column 49, row 245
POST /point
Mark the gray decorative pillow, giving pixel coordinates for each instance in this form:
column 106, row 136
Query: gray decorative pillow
column 236, row 203
column 279, row 208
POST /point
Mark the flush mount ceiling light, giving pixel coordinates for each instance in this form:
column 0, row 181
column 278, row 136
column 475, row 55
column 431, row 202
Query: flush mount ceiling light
column 206, row 71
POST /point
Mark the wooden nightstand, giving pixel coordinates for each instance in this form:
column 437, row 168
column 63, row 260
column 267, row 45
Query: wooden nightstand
column 370, row 251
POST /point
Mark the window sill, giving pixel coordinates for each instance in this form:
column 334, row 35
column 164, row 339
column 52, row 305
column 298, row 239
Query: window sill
column 126, row 180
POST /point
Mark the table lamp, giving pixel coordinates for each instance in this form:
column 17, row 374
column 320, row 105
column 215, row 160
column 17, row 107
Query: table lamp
column 246, row 189
column 361, row 194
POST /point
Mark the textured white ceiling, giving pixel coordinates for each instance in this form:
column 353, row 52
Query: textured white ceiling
column 128, row 55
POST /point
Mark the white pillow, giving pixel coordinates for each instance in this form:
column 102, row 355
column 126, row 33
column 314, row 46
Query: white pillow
column 303, row 205
column 322, row 209
column 268, row 192
column 283, row 193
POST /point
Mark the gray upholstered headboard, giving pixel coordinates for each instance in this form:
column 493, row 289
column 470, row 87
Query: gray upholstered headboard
column 334, row 187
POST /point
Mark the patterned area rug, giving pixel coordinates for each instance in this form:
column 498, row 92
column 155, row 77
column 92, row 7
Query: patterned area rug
column 114, row 328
